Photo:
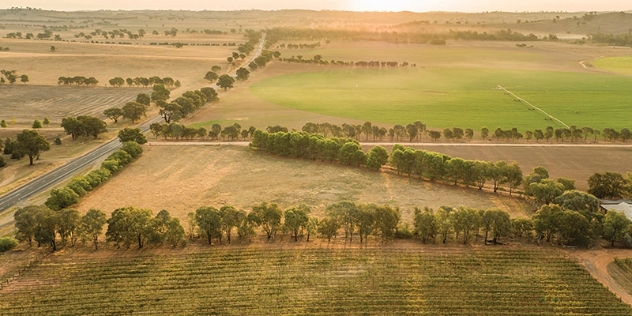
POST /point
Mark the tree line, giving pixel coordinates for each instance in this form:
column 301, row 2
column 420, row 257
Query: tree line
column 145, row 82
column 418, row 130
column 292, row 33
column 120, row 33
column 299, row 46
column 178, row 131
column 130, row 226
column 611, row 39
column 314, row 146
column 246, row 48
column 567, row 223
column 320, row 60
column 47, row 34
column 435, row 166
column 77, row 80
column 79, row 186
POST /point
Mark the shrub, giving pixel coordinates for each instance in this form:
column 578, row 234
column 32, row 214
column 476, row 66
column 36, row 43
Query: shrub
column 404, row 232
column 2, row 162
column 132, row 148
column 7, row 243
column 111, row 165
column 121, row 156
column 57, row 141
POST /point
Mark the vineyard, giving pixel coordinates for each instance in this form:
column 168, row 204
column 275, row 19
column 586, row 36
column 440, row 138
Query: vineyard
column 325, row 281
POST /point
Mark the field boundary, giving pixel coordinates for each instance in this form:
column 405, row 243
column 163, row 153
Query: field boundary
column 532, row 106
column 406, row 144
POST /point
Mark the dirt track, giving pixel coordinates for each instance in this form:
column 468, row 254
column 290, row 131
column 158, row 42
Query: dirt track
column 596, row 262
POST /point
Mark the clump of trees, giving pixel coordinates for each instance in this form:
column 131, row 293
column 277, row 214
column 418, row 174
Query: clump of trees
column 135, row 110
column 77, row 80
column 144, row 82
column 12, row 76
column 313, row 146
column 28, row 143
column 186, row 104
column 83, row 126
column 610, row 185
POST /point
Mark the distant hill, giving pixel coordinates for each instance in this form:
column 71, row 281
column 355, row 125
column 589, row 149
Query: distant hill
column 609, row 23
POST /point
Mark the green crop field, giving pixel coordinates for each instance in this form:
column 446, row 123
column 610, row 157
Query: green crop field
column 621, row 64
column 326, row 281
column 456, row 97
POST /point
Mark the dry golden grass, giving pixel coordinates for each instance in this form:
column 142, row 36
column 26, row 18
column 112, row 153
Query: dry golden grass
column 182, row 179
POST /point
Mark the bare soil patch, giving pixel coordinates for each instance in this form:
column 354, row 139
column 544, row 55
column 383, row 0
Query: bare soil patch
column 184, row 179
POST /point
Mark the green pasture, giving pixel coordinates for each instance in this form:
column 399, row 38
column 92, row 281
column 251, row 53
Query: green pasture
column 456, row 97
column 620, row 64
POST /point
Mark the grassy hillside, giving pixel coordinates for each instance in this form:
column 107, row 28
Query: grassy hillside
column 247, row 281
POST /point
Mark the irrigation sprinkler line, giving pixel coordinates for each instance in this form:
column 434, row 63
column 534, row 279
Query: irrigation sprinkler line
column 531, row 105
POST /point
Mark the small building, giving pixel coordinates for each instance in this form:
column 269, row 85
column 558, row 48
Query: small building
column 624, row 206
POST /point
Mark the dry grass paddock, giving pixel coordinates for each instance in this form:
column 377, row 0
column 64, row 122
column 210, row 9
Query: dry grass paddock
column 182, row 179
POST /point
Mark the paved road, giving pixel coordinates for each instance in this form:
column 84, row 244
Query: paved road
column 50, row 179
column 255, row 55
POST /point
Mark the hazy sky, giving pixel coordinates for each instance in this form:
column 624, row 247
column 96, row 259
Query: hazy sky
column 354, row 5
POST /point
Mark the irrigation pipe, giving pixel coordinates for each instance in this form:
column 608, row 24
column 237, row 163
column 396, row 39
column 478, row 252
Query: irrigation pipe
column 531, row 105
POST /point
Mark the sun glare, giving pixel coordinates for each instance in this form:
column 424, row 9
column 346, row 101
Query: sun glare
column 392, row 5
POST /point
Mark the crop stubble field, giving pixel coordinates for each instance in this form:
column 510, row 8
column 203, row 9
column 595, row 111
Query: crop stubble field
column 25, row 103
column 313, row 281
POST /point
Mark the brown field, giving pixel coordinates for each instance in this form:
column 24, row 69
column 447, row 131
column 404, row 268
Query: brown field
column 182, row 179
column 104, row 62
column 25, row 103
